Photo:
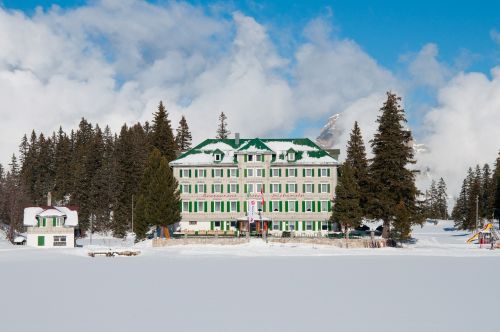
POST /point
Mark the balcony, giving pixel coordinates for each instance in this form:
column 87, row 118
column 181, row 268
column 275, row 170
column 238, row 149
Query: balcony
column 50, row 230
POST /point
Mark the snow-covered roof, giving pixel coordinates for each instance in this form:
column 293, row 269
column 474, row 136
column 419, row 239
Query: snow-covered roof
column 306, row 151
column 31, row 213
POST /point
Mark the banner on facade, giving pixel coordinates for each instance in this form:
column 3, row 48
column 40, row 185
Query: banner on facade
column 252, row 208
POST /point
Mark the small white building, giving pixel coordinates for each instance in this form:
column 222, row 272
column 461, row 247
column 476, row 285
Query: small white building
column 50, row 226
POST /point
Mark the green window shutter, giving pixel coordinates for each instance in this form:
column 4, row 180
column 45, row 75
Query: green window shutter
column 37, row 222
column 180, row 205
column 44, row 222
column 213, row 172
column 271, row 188
column 328, row 172
column 319, row 206
column 189, row 173
column 221, row 188
column 245, row 206
column 195, row 173
column 304, row 188
column 228, row 207
column 180, row 173
column 296, row 225
column 54, row 222
column 238, row 188
column 313, row 172
column 303, row 206
column 228, row 172
column 238, row 172
column 280, row 187
column 246, row 159
column 238, row 206
column 245, row 188
column 190, row 188
column 279, row 172
column 245, row 172
column 264, row 207
column 195, row 206
column 212, row 206
column 205, row 173
column 270, row 173
column 195, row 188
column 213, row 188
column 312, row 187
column 180, row 189
column 263, row 173
column 222, row 206
column 228, row 188
column 328, row 188
column 296, row 206
column 41, row 241
column 212, row 225
column 304, row 172
column 286, row 187
column 329, row 206
column 281, row 225
column 190, row 206
column 281, row 206
column 206, row 206
column 313, row 206
column 303, row 225
column 286, row 172
column 314, row 225
column 286, row 206
column 271, row 206
column 205, row 188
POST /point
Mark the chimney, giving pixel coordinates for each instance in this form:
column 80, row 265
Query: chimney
column 49, row 199
column 237, row 139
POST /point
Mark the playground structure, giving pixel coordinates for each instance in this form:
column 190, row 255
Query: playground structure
column 488, row 235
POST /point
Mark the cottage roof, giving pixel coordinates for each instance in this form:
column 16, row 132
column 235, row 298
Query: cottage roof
column 31, row 213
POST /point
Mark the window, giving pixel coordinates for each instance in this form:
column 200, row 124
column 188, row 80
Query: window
column 323, row 172
column 291, row 156
column 201, row 187
column 309, row 226
column 323, row 205
column 308, row 172
column 186, row 188
column 291, row 225
column 185, row 206
column 276, row 225
column 308, row 205
column 250, row 188
column 58, row 221
column 201, row 173
column 193, row 222
column 324, row 188
column 250, row 172
column 324, row 225
column 259, row 205
column 250, row 157
column 233, row 223
column 233, row 173
column 217, row 188
column 218, row 173
column 292, row 188
column 258, row 188
column 275, row 188
column 233, row 206
column 217, row 157
column 275, row 172
column 275, row 206
column 217, row 223
column 259, row 172
column 291, row 206
column 59, row 241
column 233, row 188
column 308, row 188
column 259, row 157
column 217, row 206
column 185, row 173
column 201, row 206
column 292, row 172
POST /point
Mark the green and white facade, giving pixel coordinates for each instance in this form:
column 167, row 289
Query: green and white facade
column 220, row 177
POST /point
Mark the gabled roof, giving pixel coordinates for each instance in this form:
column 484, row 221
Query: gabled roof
column 31, row 214
column 306, row 151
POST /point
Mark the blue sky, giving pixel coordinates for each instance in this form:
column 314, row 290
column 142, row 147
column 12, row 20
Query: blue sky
column 276, row 68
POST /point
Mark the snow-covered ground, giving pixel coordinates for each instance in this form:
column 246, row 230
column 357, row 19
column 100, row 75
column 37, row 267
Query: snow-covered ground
column 438, row 284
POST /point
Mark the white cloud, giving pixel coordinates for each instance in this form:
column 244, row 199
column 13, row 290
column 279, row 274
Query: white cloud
column 425, row 68
column 463, row 127
column 495, row 36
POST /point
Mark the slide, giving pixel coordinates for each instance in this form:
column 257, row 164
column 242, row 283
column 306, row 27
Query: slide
column 488, row 227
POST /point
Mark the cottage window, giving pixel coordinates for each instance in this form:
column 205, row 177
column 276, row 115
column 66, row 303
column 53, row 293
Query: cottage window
column 217, row 188
column 259, row 157
column 291, row 156
column 233, row 205
column 201, row 187
column 233, row 223
column 193, row 222
column 309, row 226
column 250, row 172
column 276, row 206
column 217, row 157
column 259, row 172
column 275, row 187
column 250, row 188
column 201, row 206
column 276, row 225
column 258, row 188
column 275, row 172
column 291, row 225
column 250, row 157
column 324, row 225
column 217, row 223
column 233, row 188
column 59, row 241
column 233, row 172
column 323, row 206
column 259, row 206
column 185, row 173
column 308, row 172
column 185, row 206
column 186, row 188
column 201, row 173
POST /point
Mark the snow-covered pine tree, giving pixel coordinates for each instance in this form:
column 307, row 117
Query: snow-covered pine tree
column 442, row 203
column 183, row 138
column 496, row 190
column 222, row 131
column 391, row 180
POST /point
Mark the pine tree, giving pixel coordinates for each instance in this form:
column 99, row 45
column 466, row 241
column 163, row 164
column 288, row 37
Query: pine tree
column 222, row 131
column 401, row 230
column 459, row 212
column 486, row 200
column 183, row 138
column 159, row 199
column 391, row 180
column 442, row 200
column 63, row 176
column 496, row 190
column 346, row 209
column 356, row 158
column 15, row 198
column 162, row 136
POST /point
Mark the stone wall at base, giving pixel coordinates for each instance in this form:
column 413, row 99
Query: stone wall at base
column 198, row 240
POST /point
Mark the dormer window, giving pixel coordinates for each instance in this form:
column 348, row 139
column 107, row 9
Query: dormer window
column 250, row 157
column 290, row 155
column 217, row 157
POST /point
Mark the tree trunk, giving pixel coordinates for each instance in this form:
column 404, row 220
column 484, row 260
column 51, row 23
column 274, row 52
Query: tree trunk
column 385, row 231
column 346, row 229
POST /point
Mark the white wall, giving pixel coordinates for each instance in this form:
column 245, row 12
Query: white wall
column 32, row 240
